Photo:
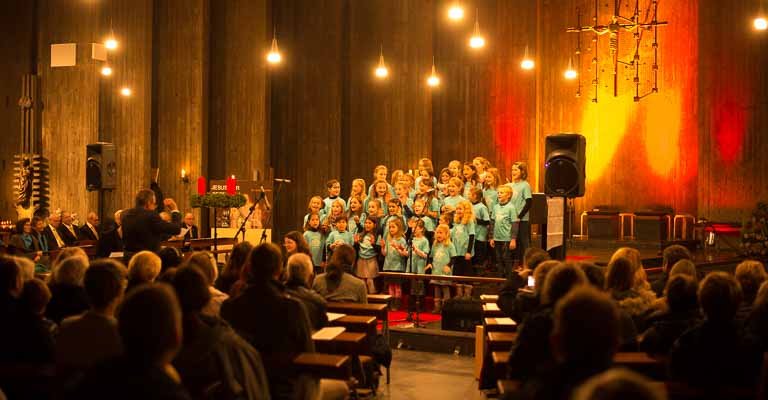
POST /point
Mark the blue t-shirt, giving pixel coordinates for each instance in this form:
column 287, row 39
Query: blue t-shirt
column 346, row 237
column 441, row 254
column 393, row 261
column 504, row 222
column 327, row 202
column 417, row 263
column 468, row 186
column 429, row 224
column 521, row 191
column 481, row 214
column 453, row 201
column 352, row 225
column 460, row 234
column 316, row 244
column 320, row 214
column 367, row 246
column 491, row 198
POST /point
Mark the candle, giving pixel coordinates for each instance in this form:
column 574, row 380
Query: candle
column 201, row 186
column 231, row 185
column 183, row 173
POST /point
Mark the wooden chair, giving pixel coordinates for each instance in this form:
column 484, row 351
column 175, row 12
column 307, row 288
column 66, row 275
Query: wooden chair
column 329, row 366
column 499, row 325
column 501, row 341
column 652, row 367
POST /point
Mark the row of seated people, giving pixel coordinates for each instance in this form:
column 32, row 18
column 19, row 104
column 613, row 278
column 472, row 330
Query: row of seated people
column 117, row 332
column 711, row 331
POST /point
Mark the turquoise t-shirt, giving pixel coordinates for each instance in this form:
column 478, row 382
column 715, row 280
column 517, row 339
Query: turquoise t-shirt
column 504, row 222
column 417, row 263
column 393, row 261
column 441, row 254
column 367, row 246
column 521, row 191
column 316, row 243
column 328, row 201
column 481, row 214
column 383, row 204
column 320, row 214
column 346, row 237
column 468, row 186
column 453, row 201
column 491, row 198
column 429, row 224
column 352, row 225
column 460, row 234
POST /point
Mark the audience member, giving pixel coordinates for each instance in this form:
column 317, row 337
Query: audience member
column 508, row 294
column 11, row 283
column 27, row 267
column 527, row 299
column 622, row 285
column 214, row 362
column 669, row 257
column 234, row 267
column 32, row 333
column 580, row 350
column 67, row 230
column 142, row 227
column 531, row 352
column 90, row 230
column 276, row 325
column 750, row 274
column 23, row 242
column 205, row 262
column 685, row 267
column 38, row 233
column 65, row 253
column 144, row 371
column 87, row 339
column 757, row 323
column 143, row 268
column 170, row 257
column 682, row 313
column 69, row 296
column 294, row 242
column 51, row 232
column 595, row 275
column 112, row 237
column 191, row 229
column 716, row 352
column 300, row 272
column 619, row 384
column 336, row 284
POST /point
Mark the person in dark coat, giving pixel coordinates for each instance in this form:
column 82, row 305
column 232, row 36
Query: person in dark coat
column 275, row 324
column 142, row 227
column 111, row 236
column 69, row 295
column 666, row 326
column 67, row 230
column 300, row 271
column 90, row 230
column 670, row 256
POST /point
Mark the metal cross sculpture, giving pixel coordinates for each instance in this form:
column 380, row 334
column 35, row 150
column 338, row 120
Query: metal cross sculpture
column 613, row 29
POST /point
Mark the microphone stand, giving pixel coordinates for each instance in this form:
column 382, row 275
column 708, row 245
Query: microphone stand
column 417, row 323
column 247, row 217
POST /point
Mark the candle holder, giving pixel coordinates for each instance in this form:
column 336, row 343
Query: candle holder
column 184, row 177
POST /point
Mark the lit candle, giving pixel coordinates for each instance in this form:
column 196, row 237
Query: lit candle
column 201, row 186
column 183, row 173
column 231, row 185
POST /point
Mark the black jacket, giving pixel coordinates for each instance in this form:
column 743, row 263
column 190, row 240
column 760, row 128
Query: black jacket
column 67, row 236
column 665, row 329
column 531, row 352
column 313, row 302
column 144, row 229
column 86, row 233
column 48, row 233
column 192, row 233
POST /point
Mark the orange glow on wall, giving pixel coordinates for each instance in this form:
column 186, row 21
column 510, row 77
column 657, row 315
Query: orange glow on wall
column 604, row 124
column 662, row 131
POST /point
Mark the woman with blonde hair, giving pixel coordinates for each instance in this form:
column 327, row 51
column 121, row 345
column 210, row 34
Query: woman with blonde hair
column 627, row 283
column 144, row 267
column 68, row 294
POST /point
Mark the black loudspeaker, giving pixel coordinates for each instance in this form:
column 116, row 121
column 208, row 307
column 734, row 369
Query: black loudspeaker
column 461, row 315
column 538, row 208
column 100, row 166
column 565, row 165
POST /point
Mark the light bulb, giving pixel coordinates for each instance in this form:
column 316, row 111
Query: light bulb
column 274, row 57
column 433, row 80
column 570, row 73
column 476, row 42
column 456, row 12
column 381, row 70
column 110, row 43
column 126, row 91
column 760, row 23
column 106, row 70
column 527, row 64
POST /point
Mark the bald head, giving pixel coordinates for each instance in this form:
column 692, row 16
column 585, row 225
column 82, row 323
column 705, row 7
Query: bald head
column 93, row 219
column 54, row 220
column 66, row 218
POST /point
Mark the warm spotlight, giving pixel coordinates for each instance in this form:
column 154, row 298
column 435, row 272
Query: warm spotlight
column 456, row 12
column 476, row 42
column 381, row 71
column 433, row 80
column 274, row 57
column 570, row 73
column 527, row 63
column 126, row 91
column 760, row 24
column 106, row 70
column 111, row 43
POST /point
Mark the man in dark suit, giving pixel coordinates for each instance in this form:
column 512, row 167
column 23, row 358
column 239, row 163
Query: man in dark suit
column 67, row 231
column 189, row 224
column 90, row 230
column 51, row 233
column 143, row 229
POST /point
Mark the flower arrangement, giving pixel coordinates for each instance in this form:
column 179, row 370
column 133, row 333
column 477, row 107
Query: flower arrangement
column 217, row 200
column 754, row 234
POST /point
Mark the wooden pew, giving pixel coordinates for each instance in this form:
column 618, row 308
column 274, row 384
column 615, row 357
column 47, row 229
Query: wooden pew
column 380, row 299
column 358, row 323
column 491, row 310
column 347, row 343
column 501, row 341
column 376, row 310
column 489, row 298
column 500, row 362
column 507, row 386
column 499, row 325
column 329, row 366
column 640, row 362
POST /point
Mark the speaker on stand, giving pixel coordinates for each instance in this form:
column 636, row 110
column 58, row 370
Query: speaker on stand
column 100, row 170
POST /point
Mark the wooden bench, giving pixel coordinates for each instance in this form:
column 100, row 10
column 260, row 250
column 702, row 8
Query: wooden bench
column 329, row 366
column 347, row 343
column 501, row 341
column 358, row 323
column 642, row 363
column 499, row 325
column 489, row 298
column 500, row 362
column 376, row 310
column 491, row 310
column 507, row 386
column 380, row 299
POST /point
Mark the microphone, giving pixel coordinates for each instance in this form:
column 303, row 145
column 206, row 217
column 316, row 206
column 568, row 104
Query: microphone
column 282, row 180
column 266, row 199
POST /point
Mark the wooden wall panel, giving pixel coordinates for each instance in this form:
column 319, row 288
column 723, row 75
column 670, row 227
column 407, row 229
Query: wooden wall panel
column 390, row 121
column 239, row 143
column 126, row 122
column 180, row 101
column 70, row 98
column 306, row 122
column 17, row 51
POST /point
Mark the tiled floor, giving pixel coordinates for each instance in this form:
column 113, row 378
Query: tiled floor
column 421, row 375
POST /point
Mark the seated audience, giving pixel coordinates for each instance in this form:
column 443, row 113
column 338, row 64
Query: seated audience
column 67, row 229
column 276, row 325
column 595, row 275
column 508, row 294
column 716, row 352
column 111, row 240
column 87, row 339
column 142, row 227
column 65, row 253
column 51, row 232
column 69, row 296
column 27, row 267
column 144, row 371
column 527, row 299
column 24, row 242
column 685, row 267
column 11, row 283
column 531, row 352
column 294, row 242
column 170, row 257
column 31, row 334
column 336, row 284
column 90, row 230
column 619, row 384
column 188, row 223
column 300, row 272
column 757, row 323
column 214, row 362
column 669, row 257
column 143, row 268
column 580, row 350
column 234, row 267
column 750, row 274
column 682, row 313
column 206, row 263
column 38, row 233
column 621, row 283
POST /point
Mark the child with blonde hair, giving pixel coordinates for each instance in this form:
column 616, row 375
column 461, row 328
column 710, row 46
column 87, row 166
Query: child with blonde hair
column 503, row 231
column 441, row 254
column 357, row 191
column 394, row 249
column 315, row 206
column 463, row 239
column 367, row 267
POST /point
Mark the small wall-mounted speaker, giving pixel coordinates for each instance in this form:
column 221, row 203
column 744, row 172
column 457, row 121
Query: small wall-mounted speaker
column 64, row 55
